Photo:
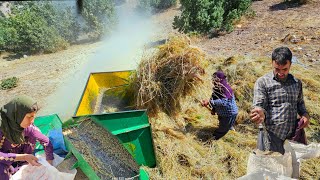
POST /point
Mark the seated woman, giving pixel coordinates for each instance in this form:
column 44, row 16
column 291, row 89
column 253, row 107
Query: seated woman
column 18, row 136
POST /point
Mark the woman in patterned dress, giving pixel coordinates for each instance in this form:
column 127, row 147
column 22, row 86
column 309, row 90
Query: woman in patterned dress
column 18, row 136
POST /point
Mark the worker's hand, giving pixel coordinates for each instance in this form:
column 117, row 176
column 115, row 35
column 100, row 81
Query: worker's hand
column 305, row 120
column 50, row 162
column 204, row 103
column 11, row 169
column 31, row 159
column 213, row 112
column 257, row 115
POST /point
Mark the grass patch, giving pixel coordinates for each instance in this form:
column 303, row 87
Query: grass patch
column 9, row 83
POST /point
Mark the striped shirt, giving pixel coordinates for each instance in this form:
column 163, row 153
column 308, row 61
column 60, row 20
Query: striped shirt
column 281, row 102
column 224, row 107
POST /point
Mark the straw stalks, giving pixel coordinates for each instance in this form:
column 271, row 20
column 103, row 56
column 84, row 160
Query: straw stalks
column 163, row 79
column 180, row 152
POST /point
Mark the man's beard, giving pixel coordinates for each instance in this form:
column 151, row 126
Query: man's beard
column 282, row 79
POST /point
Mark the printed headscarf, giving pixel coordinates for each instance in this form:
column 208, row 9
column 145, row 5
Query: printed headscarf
column 221, row 89
column 12, row 115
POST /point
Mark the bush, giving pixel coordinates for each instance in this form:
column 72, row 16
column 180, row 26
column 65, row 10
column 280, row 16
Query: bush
column 29, row 32
column 62, row 20
column 202, row 16
column 9, row 83
column 156, row 4
column 38, row 27
column 45, row 27
column 164, row 4
column 99, row 17
column 8, row 35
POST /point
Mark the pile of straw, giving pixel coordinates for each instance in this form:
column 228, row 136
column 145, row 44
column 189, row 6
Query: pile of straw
column 163, row 79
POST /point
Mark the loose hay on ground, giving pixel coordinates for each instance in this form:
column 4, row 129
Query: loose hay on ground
column 310, row 169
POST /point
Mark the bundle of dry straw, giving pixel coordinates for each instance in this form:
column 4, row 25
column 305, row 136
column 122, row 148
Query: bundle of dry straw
column 171, row 73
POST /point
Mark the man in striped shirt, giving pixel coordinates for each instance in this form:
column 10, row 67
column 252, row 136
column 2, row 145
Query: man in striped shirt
column 278, row 100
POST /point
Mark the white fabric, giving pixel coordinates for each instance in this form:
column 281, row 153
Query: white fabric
column 264, row 175
column 275, row 167
column 276, row 162
column 46, row 171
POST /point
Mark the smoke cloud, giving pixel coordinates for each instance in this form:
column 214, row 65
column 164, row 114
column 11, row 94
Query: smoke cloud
column 120, row 51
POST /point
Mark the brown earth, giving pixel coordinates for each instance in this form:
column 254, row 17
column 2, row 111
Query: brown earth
column 40, row 75
column 275, row 24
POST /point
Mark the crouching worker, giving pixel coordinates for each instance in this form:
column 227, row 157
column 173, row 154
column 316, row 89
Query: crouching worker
column 18, row 136
column 223, row 104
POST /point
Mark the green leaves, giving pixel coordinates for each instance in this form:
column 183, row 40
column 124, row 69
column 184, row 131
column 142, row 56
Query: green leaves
column 202, row 16
column 9, row 83
column 99, row 16
column 148, row 5
column 45, row 26
column 37, row 27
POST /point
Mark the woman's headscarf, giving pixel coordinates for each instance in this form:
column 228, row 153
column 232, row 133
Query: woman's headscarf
column 12, row 115
column 221, row 88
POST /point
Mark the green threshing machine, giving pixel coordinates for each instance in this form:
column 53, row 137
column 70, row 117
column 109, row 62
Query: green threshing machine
column 131, row 127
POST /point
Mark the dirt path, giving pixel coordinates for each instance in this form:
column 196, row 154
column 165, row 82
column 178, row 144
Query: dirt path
column 40, row 75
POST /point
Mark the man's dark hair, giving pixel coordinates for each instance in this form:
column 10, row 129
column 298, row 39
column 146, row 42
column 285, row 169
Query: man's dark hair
column 281, row 55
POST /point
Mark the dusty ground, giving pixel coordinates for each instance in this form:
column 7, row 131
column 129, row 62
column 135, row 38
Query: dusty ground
column 40, row 75
column 268, row 29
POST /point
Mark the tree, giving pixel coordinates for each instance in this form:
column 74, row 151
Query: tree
column 99, row 16
column 201, row 16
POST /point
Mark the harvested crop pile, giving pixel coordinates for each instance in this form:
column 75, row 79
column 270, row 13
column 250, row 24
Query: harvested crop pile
column 106, row 156
column 163, row 79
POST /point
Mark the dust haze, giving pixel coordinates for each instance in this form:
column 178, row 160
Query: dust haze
column 119, row 51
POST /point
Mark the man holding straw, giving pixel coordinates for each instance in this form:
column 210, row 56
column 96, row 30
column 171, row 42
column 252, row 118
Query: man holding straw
column 278, row 99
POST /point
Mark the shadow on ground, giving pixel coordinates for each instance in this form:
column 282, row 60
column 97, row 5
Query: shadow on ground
column 202, row 134
column 285, row 5
column 12, row 57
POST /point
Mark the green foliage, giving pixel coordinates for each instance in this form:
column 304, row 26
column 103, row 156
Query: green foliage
column 202, row 16
column 164, row 4
column 156, row 4
column 63, row 21
column 233, row 11
column 9, row 83
column 99, row 17
column 37, row 27
column 199, row 16
column 29, row 32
